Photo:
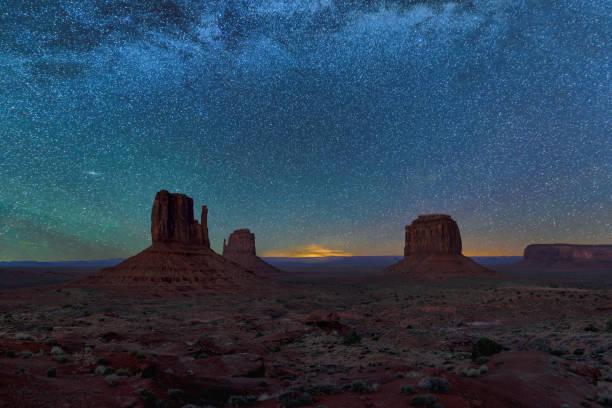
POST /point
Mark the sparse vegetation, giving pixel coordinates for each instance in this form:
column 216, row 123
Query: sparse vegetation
column 407, row 389
column 351, row 339
column 111, row 380
column 422, row 401
column 123, row 372
column 485, row 347
column 435, row 385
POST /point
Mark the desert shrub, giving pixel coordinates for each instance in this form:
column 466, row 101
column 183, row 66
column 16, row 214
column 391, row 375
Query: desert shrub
column 61, row 359
column 472, row 372
column 422, row 401
column 23, row 336
column 609, row 326
column 150, row 371
column 111, row 380
column 435, row 384
column 26, row 354
column 52, row 372
column 294, row 399
column 591, row 328
column 123, row 372
column 241, row 400
column 175, row 393
column 351, row 338
column 10, row 353
column 56, row 351
column 557, row 352
column 101, row 361
column 483, row 369
column 358, row 386
column 485, row 347
column 103, row 370
column 50, row 342
column 323, row 389
column 407, row 389
column 604, row 400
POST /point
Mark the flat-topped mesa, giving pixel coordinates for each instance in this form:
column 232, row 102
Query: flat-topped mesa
column 567, row 256
column 241, row 241
column 240, row 248
column 433, row 249
column 172, row 220
column 433, row 234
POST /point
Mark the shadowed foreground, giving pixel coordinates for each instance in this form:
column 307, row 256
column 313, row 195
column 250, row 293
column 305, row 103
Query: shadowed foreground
column 338, row 340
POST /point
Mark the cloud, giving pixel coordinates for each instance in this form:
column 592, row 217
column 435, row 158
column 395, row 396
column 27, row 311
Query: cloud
column 307, row 251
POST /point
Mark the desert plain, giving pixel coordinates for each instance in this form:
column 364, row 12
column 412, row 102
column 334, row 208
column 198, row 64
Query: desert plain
column 321, row 336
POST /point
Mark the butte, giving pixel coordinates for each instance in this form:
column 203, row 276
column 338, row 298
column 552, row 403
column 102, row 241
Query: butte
column 433, row 249
column 240, row 248
column 180, row 255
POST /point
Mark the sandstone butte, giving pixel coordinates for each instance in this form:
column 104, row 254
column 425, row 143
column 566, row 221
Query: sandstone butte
column 433, row 249
column 240, row 248
column 567, row 256
column 180, row 253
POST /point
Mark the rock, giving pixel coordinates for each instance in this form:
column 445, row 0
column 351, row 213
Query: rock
column 180, row 255
column 240, row 248
column 241, row 241
column 567, row 256
column 433, row 249
column 323, row 319
column 433, row 234
column 172, row 220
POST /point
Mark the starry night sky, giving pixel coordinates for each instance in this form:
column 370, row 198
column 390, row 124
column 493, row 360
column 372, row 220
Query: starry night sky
column 323, row 126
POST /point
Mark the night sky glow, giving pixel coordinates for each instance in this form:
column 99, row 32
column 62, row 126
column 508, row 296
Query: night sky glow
column 321, row 125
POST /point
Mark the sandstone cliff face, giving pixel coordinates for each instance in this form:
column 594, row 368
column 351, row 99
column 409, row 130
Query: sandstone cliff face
column 240, row 248
column 433, row 249
column 172, row 220
column 241, row 241
column 568, row 256
column 433, row 234
column 180, row 256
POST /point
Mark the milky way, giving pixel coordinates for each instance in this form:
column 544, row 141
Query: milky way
column 327, row 124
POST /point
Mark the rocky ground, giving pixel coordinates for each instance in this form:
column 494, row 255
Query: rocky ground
column 321, row 340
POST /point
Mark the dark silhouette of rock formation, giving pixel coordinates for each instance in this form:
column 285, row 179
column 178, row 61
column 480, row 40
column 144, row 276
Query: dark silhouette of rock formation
column 172, row 220
column 180, row 253
column 567, row 256
column 240, row 248
column 433, row 249
column 433, row 234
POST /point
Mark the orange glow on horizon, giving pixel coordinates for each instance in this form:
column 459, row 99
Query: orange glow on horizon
column 318, row 251
column 308, row 251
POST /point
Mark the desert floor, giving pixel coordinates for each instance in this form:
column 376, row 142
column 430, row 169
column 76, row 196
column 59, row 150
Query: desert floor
column 330, row 338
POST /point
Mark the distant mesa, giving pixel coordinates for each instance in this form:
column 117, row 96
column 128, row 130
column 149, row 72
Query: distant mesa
column 567, row 256
column 180, row 253
column 240, row 248
column 433, row 249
